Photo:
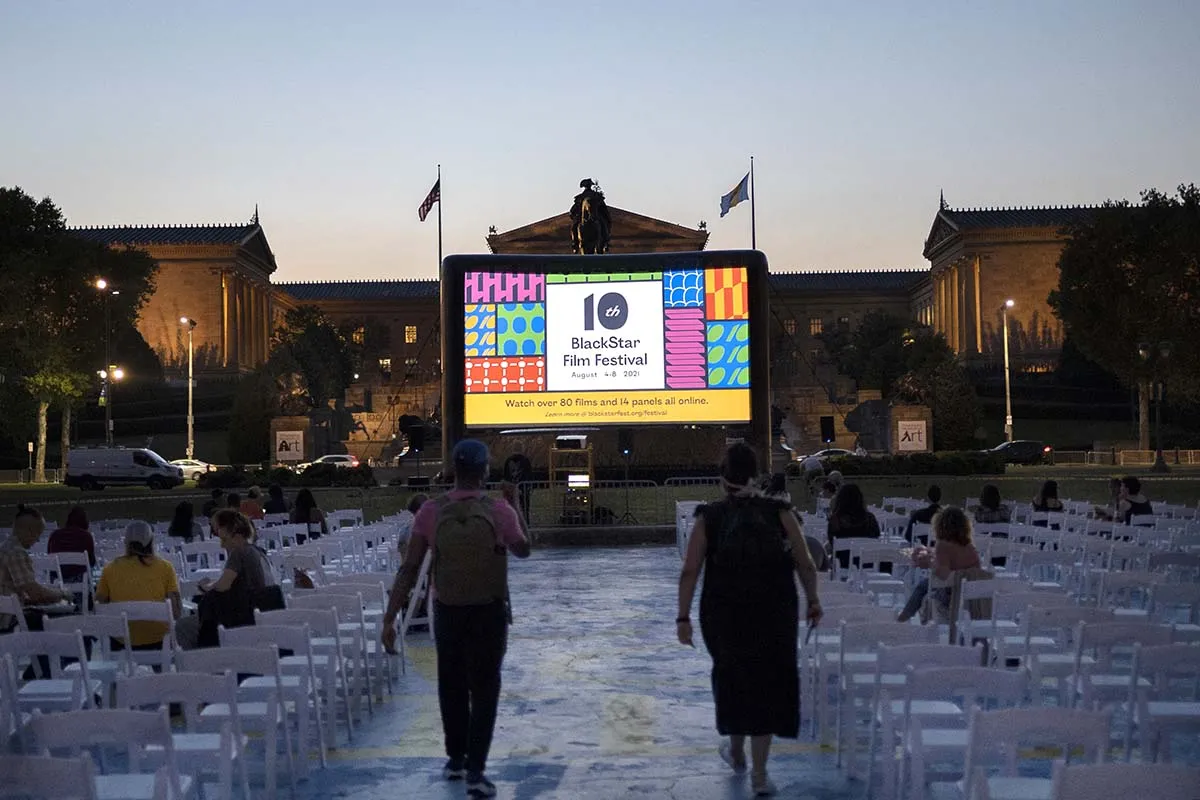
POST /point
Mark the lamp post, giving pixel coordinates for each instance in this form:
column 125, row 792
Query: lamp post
column 190, row 324
column 1008, row 419
column 105, row 288
column 109, row 377
column 1156, row 359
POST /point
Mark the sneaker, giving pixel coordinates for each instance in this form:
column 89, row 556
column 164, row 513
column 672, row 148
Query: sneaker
column 454, row 770
column 479, row 786
column 737, row 762
column 762, row 786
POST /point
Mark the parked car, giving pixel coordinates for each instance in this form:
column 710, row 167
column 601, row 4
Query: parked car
column 338, row 460
column 824, row 455
column 193, row 468
column 97, row 467
column 1023, row 451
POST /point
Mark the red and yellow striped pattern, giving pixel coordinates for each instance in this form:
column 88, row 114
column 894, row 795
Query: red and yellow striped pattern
column 725, row 294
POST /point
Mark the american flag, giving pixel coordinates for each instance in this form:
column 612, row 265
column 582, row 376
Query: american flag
column 435, row 195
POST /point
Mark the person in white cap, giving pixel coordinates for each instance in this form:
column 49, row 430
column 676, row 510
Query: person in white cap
column 140, row 575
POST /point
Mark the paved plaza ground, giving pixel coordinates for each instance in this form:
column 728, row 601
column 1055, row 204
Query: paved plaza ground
column 599, row 700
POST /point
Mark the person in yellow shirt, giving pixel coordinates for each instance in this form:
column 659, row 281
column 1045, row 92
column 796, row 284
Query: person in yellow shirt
column 140, row 575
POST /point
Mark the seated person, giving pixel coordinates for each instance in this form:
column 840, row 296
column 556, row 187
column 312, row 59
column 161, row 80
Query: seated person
column 990, row 509
column 183, row 524
column 953, row 551
column 1131, row 502
column 252, row 505
column 140, row 575
column 215, row 502
column 74, row 537
column 850, row 519
column 16, row 570
column 924, row 516
column 276, row 503
column 232, row 598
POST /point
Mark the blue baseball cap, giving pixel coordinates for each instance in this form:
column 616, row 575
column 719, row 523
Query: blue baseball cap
column 471, row 455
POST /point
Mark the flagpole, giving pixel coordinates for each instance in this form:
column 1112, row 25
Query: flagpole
column 439, row 205
column 753, row 231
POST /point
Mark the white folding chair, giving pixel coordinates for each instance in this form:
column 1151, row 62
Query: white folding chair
column 10, row 605
column 266, row 716
column 159, row 611
column 1093, row 781
column 53, row 692
column 1172, row 704
column 349, row 609
column 935, row 747
column 82, row 584
column 138, row 731
column 332, row 668
column 46, row 778
column 299, row 679
column 104, row 665
column 197, row 753
column 998, row 738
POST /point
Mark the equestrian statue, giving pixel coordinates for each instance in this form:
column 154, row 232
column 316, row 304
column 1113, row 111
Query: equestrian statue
column 590, row 221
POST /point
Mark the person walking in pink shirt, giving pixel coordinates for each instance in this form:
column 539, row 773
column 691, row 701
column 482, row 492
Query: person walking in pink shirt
column 470, row 536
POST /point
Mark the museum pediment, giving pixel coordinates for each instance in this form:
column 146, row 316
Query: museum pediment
column 631, row 233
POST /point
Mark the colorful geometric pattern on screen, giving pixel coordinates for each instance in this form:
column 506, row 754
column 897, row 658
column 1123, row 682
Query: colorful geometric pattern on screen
column 685, row 350
column 505, row 375
column 728, row 354
column 521, row 329
column 503, row 287
column 603, row 277
column 683, row 288
column 725, row 293
column 479, row 324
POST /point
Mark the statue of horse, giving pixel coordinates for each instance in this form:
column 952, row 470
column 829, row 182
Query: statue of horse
column 591, row 224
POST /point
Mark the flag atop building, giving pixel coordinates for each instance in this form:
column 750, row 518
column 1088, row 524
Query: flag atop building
column 740, row 193
column 434, row 196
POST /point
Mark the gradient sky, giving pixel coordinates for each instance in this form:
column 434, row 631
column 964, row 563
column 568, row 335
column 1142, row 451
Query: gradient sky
column 333, row 116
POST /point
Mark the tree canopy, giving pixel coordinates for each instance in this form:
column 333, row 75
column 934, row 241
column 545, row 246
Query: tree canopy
column 311, row 347
column 1131, row 274
column 52, row 315
column 911, row 364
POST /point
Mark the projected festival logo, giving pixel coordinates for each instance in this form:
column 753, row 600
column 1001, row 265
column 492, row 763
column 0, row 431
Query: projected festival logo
column 670, row 346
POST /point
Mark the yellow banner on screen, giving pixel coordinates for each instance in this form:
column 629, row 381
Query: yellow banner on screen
column 670, row 406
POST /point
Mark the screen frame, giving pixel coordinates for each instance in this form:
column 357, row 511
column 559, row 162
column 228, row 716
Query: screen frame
column 455, row 268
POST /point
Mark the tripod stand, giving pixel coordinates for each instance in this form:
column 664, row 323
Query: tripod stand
column 627, row 518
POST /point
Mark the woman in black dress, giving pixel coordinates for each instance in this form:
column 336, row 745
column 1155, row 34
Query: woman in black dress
column 748, row 546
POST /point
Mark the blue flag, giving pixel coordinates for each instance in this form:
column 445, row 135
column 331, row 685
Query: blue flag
column 740, row 192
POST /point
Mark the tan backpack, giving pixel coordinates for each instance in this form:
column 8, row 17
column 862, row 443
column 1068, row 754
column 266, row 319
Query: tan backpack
column 470, row 564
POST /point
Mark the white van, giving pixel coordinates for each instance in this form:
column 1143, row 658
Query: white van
column 97, row 467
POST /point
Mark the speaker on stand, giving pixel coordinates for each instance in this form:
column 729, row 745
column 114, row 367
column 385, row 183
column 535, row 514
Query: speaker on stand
column 625, row 445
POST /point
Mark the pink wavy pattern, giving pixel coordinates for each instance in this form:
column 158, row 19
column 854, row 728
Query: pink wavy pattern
column 503, row 287
column 686, row 367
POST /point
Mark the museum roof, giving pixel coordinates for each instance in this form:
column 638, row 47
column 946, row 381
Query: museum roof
column 418, row 289
column 168, row 234
column 1033, row 217
column 876, row 280
column 362, row 290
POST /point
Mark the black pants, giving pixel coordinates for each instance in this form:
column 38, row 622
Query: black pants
column 470, row 648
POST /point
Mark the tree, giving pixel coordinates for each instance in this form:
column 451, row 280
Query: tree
column 912, row 364
column 52, row 316
column 310, row 346
column 250, row 419
column 872, row 354
column 1131, row 274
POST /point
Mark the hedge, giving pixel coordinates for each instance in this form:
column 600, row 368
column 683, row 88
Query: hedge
column 948, row 463
column 315, row 475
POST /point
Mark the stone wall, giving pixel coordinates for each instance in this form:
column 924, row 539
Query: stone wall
column 188, row 289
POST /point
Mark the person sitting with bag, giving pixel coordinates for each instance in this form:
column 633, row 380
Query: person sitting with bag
column 231, row 600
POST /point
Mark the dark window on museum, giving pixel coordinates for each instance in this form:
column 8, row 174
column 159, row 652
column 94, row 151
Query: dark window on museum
column 814, row 356
column 816, row 326
column 410, row 334
column 359, row 336
column 789, row 327
column 844, row 323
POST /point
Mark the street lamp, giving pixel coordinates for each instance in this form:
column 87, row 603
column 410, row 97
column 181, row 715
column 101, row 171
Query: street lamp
column 190, row 324
column 108, row 379
column 1008, row 420
column 1156, row 359
column 106, row 289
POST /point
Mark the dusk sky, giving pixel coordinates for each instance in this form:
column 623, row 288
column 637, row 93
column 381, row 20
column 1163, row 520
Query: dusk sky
column 332, row 117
